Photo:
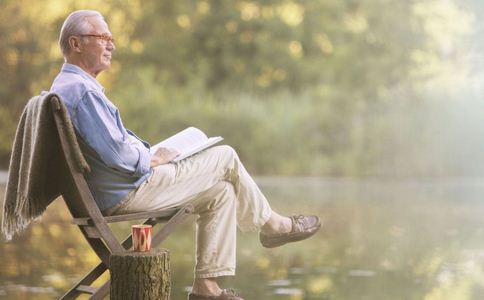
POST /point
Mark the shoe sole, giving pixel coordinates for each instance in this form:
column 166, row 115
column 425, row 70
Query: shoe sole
column 285, row 239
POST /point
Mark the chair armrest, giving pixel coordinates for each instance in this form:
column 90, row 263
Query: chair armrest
column 166, row 213
column 159, row 214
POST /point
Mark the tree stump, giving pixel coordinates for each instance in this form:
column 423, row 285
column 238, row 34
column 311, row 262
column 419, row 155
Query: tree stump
column 140, row 275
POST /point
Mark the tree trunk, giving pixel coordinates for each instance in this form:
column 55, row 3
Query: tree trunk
column 140, row 275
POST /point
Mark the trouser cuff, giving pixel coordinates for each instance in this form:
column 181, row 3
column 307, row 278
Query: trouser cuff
column 217, row 273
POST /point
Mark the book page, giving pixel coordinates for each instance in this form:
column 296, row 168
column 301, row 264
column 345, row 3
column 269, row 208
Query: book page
column 188, row 142
column 197, row 148
column 183, row 140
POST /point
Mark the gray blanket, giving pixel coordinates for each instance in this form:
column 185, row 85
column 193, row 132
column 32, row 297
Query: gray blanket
column 37, row 166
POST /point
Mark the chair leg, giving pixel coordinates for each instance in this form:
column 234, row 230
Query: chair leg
column 163, row 233
column 176, row 220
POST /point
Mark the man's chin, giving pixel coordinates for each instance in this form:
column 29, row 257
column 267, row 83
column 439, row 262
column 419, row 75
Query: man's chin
column 106, row 65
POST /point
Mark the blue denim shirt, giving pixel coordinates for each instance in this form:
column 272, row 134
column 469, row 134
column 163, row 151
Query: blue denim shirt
column 119, row 160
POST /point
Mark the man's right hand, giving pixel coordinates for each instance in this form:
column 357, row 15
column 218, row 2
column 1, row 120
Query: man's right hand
column 163, row 156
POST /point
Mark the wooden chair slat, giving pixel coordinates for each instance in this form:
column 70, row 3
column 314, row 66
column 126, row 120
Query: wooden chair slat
column 86, row 289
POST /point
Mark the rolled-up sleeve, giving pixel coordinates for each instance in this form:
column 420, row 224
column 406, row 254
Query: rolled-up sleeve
column 100, row 126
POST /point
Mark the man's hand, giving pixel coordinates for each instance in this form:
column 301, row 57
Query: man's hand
column 163, row 156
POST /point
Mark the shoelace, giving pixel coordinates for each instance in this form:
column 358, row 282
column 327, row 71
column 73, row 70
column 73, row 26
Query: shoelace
column 298, row 223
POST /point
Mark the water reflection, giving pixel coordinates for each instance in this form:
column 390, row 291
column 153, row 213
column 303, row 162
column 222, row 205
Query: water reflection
column 382, row 240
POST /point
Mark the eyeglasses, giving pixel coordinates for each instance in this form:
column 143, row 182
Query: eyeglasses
column 103, row 37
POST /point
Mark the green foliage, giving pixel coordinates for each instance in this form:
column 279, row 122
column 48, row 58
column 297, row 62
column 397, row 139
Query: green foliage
column 290, row 84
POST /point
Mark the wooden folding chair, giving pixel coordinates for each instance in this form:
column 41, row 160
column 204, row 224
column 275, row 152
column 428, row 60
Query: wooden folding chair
column 91, row 222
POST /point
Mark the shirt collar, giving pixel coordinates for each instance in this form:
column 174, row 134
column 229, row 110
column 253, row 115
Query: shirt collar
column 70, row 68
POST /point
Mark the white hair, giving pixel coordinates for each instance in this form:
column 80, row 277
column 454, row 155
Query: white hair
column 76, row 23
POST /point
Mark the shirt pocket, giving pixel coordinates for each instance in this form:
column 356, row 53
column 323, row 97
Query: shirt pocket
column 112, row 109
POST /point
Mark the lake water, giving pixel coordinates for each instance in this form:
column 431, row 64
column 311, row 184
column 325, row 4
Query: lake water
column 382, row 239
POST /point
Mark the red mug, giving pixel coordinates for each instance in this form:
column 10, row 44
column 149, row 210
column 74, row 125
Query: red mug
column 141, row 237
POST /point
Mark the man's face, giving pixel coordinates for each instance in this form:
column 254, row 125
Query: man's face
column 96, row 51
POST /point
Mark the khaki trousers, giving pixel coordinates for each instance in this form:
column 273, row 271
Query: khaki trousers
column 224, row 196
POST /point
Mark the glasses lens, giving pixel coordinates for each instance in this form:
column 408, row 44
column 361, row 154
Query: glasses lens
column 106, row 38
column 103, row 37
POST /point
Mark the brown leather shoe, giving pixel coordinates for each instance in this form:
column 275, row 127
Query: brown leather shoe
column 225, row 295
column 302, row 228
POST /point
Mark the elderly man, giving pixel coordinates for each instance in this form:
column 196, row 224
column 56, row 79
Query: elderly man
column 126, row 178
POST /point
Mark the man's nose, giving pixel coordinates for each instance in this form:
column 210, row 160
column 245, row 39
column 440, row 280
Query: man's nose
column 110, row 46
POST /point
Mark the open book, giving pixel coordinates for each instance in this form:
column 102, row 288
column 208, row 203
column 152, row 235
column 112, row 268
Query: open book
column 188, row 142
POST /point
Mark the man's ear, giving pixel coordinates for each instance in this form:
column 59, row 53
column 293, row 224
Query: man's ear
column 75, row 44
